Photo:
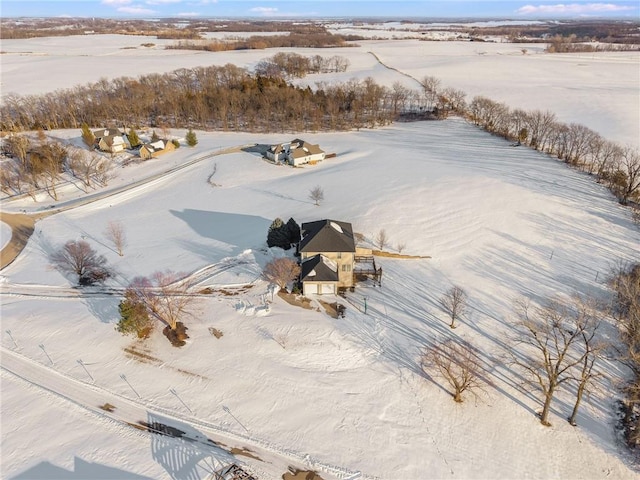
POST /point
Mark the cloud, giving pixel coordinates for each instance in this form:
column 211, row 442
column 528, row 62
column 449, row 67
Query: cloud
column 116, row 3
column 572, row 9
column 265, row 10
column 136, row 10
column 188, row 14
column 161, row 2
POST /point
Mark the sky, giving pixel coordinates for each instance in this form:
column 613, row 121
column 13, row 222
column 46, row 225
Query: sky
column 534, row 9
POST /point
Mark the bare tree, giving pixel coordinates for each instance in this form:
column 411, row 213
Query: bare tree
column 401, row 246
column 430, row 89
column 457, row 363
column 281, row 271
column 455, row 303
column 316, row 194
column 87, row 166
column 115, row 234
column 625, row 282
column 553, row 332
column 628, row 188
column 382, row 240
column 593, row 351
column 167, row 296
column 79, row 258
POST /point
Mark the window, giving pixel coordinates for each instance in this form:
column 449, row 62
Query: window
column 339, row 254
column 346, row 268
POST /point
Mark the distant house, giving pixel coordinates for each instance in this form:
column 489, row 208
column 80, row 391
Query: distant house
column 327, row 252
column 297, row 152
column 153, row 149
column 110, row 140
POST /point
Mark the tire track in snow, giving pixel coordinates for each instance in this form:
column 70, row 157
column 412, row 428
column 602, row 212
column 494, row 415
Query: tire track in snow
column 85, row 395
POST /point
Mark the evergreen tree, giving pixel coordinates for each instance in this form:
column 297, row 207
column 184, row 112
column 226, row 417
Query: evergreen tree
column 294, row 231
column 278, row 235
column 154, row 137
column 191, row 138
column 176, row 143
column 87, row 135
column 134, row 317
column 134, row 140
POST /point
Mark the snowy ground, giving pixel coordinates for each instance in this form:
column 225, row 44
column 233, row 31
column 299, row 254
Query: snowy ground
column 599, row 90
column 296, row 386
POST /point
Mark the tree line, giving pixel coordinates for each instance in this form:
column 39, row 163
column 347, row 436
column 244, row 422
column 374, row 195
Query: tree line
column 213, row 98
column 319, row 39
column 616, row 166
column 290, row 65
column 232, row 98
column 625, row 283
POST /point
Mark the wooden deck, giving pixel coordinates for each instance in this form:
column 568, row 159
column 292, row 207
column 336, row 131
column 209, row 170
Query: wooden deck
column 365, row 266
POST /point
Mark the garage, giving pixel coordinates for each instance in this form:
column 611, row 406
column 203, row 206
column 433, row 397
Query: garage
column 319, row 288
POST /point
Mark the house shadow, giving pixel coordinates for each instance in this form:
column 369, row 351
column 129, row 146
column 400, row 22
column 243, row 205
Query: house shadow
column 259, row 149
column 184, row 452
column 237, row 231
column 82, row 470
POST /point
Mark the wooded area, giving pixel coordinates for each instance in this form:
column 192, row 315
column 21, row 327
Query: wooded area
column 213, row 98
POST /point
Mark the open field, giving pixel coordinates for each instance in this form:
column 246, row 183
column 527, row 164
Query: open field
column 597, row 90
column 501, row 221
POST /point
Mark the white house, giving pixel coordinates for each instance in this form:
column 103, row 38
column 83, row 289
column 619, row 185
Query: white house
column 296, row 152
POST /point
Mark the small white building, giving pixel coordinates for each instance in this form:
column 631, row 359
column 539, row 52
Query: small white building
column 297, row 152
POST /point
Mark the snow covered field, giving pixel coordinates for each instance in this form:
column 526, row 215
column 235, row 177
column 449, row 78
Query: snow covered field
column 344, row 397
column 599, row 90
column 344, row 393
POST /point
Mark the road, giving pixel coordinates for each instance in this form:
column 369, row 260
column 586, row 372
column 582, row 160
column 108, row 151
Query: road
column 22, row 224
column 204, row 443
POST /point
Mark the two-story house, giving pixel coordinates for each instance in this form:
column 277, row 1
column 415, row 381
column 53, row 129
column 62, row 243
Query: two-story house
column 327, row 254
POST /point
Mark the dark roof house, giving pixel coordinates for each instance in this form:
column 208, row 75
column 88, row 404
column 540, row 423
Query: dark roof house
column 327, row 236
column 327, row 251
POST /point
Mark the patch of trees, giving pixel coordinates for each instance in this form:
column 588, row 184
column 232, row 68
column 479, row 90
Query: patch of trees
column 164, row 297
column 55, row 27
column 561, row 347
column 625, row 283
column 606, row 31
column 217, row 97
column 283, row 235
column 579, row 147
column 288, row 65
column 572, row 44
column 37, row 164
column 320, row 39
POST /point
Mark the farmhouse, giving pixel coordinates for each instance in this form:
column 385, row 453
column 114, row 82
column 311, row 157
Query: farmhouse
column 327, row 253
column 297, row 152
column 110, row 140
column 153, row 149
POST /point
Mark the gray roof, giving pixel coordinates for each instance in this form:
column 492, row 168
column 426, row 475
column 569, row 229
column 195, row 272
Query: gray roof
column 318, row 269
column 106, row 132
column 327, row 236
